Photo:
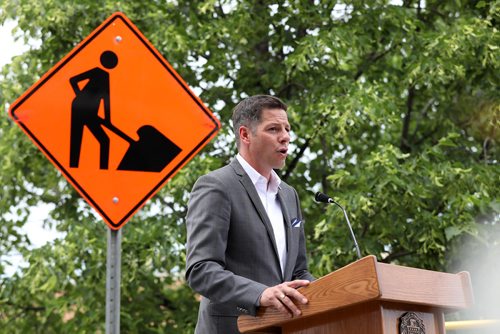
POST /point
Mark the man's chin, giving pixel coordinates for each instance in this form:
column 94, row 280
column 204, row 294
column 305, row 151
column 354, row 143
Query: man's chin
column 279, row 165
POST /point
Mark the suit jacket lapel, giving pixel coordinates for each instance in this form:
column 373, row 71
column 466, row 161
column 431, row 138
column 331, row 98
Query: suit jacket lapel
column 254, row 197
column 289, row 243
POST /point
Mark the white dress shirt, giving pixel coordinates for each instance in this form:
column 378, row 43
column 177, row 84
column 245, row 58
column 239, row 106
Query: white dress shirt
column 268, row 193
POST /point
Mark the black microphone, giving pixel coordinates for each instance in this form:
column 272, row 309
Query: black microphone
column 323, row 198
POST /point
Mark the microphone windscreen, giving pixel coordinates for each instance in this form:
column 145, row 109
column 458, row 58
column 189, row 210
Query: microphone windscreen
column 320, row 197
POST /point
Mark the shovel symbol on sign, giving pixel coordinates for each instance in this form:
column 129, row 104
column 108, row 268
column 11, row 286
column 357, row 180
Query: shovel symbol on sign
column 151, row 153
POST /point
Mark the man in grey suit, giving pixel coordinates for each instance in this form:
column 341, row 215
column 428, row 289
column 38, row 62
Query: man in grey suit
column 245, row 234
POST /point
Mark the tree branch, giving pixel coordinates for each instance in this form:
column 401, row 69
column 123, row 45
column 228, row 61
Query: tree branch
column 372, row 58
column 291, row 166
column 425, row 136
column 405, row 140
column 165, row 302
column 423, row 111
column 487, row 143
column 28, row 308
column 325, row 171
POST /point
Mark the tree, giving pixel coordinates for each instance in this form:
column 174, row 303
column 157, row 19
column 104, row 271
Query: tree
column 394, row 109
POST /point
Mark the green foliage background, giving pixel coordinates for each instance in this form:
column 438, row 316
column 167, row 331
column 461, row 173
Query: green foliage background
column 394, row 111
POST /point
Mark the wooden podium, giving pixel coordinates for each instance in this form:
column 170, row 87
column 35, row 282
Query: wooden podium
column 367, row 297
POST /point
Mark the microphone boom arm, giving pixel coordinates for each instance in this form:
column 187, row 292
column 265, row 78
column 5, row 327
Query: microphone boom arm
column 320, row 197
column 348, row 224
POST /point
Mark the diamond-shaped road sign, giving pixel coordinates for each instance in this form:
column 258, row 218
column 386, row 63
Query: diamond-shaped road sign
column 116, row 119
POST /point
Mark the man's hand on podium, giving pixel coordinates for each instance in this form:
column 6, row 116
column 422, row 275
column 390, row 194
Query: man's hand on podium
column 284, row 297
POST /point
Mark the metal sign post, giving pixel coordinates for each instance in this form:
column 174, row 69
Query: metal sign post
column 113, row 274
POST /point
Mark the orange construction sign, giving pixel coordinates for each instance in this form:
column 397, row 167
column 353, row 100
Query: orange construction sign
column 116, row 119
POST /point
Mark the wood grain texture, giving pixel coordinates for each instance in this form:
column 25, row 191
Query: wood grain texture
column 352, row 284
column 360, row 319
column 424, row 287
column 376, row 292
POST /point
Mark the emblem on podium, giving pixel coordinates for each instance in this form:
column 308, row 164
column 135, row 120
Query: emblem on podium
column 410, row 323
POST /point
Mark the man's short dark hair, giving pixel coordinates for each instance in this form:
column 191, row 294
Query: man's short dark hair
column 248, row 112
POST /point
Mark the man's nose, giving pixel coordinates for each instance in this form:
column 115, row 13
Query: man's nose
column 285, row 137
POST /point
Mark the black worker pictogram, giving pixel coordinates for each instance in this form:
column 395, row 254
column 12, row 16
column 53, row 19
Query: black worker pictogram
column 151, row 153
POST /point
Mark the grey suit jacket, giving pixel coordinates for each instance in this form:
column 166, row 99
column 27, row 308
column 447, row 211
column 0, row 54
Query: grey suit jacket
column 231, row 251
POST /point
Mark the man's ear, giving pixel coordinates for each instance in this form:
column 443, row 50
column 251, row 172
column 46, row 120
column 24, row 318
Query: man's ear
column 244, row 133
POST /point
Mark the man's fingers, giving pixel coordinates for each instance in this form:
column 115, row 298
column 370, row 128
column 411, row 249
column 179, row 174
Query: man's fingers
column 285, row 297
column 289, row 296
column 290, row 305
column 289, row 289
column 297, row 283
column 295, row 295
column 279, row 303
column 284, row 304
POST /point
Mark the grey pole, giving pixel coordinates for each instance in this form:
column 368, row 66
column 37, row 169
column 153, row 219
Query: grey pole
column 113, row 273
